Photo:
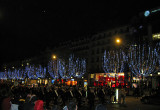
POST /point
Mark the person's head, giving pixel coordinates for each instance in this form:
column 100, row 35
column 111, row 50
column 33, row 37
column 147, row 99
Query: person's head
column 72, row 106
column 38, row 105
column 100, row 107
column 33, row 99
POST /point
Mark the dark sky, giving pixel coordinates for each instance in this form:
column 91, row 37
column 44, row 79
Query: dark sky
column 28, row 27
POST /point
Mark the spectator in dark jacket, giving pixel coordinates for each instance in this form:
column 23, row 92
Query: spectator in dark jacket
column 91, row 98
column 30, row 105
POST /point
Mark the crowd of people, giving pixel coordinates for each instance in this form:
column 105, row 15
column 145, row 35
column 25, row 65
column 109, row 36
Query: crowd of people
column 57, row 98
column 51, row 98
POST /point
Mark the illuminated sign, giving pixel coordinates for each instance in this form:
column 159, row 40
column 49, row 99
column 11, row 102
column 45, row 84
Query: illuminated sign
column 85, row 84
column 147, row 12
column 153, row 11
column 52, row 81
column 92, row 75
column 156, row 36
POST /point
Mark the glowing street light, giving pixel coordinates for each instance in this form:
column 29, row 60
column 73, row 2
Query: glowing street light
column 118, row 41
column 54, row 57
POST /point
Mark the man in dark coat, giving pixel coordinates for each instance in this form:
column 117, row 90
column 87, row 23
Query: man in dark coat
column 30, row 105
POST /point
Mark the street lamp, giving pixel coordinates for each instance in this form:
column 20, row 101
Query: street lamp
column 58, row 76
column 118, row 40
column 54, row 57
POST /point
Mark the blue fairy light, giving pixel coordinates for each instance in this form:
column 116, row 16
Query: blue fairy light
column 142, row 60
column 77, row 66
column 114, row 60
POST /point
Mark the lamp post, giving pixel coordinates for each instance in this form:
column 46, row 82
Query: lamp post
column 118, row 42
column 54, row 57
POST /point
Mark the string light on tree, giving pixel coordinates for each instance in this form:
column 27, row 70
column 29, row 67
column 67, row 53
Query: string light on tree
column 142, row 59
column 114, row 60
column 3, row 75
column 52, row 69
column 158, row 52
column 62, row 69
column 77, row 66
column 30, row 71
column 34, row 72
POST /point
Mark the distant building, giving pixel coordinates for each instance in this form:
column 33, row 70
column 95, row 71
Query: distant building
column 145, row 26
column 93, row 47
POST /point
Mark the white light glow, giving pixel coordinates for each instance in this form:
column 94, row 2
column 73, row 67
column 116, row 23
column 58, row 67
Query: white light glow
column 116, row 94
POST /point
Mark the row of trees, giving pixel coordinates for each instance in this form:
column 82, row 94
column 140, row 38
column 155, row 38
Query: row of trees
column 74, row 67
column 141, row 60
column 59, row 68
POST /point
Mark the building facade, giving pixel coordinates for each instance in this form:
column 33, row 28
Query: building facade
column 92, row 47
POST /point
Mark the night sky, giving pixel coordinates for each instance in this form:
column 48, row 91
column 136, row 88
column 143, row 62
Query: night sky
column 28, row 27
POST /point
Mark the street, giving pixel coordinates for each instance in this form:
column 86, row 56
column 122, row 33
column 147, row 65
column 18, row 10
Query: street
column 132, row 103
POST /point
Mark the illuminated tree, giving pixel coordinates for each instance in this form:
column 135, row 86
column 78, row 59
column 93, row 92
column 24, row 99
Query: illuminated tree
column 52, row 69
column 77, row 66
column 158, row 52
column 30, row 72
column 10, row 74
column 40, row 71
column 15, row 74
column 62, row 69
column 59, row 68
column 3, row 75
column 142, row 59
column 34, row 72
column 114, row 61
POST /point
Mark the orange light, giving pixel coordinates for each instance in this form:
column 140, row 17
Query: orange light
column 54, row 57
column 118, row 41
